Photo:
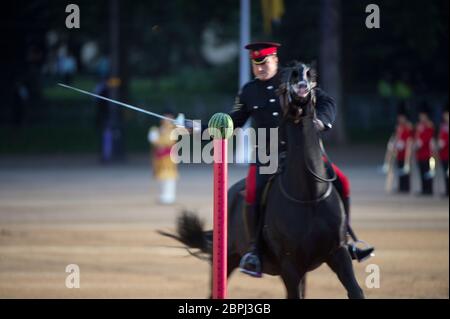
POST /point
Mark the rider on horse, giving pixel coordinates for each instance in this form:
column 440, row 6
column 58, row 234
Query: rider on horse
column 258, row 100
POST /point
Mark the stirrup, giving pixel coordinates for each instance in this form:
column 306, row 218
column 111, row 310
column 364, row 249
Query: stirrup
column 355, row 251
column 251, row 265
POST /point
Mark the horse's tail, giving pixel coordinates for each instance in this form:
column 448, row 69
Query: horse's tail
column 190, row 231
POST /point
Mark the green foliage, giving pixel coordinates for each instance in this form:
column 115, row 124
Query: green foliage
column 64, row 140
column 164, row 66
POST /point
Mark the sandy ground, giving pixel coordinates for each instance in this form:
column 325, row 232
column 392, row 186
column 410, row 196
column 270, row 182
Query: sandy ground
column 60, row 211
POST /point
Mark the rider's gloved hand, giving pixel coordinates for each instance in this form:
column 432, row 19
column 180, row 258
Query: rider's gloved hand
column 318, row 124
column 180, row 120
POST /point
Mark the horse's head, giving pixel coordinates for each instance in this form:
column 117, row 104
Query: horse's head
column 297, row 91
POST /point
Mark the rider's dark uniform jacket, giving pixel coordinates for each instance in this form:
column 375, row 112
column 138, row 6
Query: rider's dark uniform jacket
column 258, row 100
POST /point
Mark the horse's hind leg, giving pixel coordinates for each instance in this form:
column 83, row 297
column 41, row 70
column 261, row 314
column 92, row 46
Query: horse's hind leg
column 341, row 263
column 292, row 279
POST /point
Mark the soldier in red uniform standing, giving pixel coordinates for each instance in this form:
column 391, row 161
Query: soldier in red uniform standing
column 403, row 147
column 424, row 149
column 443, row 147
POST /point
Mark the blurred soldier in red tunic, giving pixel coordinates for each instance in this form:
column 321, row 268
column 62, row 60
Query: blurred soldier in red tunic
column 443, row 147
column 403, row 146
column 424, row 146
column 398, row 152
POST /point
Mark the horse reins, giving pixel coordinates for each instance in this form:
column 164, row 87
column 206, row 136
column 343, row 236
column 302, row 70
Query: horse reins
column 316, row 176
column 304, row 202
column 319, row 178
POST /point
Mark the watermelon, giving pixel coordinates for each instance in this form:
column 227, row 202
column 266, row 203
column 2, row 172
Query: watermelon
column 220, row 126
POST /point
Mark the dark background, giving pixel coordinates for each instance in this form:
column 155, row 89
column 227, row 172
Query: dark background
column 162, row 64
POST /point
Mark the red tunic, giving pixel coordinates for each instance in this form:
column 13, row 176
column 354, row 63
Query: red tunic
column 402, row 134
column 443, row 142
column 424, row 136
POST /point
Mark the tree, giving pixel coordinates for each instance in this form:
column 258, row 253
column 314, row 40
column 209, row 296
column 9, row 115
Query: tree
column 330, row 59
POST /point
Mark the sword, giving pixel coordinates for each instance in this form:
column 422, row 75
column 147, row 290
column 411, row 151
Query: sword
column 179, row 121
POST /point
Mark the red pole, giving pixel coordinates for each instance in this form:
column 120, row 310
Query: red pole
column 220, row 219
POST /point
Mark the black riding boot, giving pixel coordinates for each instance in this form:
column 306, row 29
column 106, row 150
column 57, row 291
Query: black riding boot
column 357, row 253
column 250, row 263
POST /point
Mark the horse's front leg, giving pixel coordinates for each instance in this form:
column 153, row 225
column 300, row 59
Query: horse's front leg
column 302, row 287
column 292, row 278
column 341, row 263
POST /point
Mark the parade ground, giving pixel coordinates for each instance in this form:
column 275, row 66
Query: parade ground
column 64, row 210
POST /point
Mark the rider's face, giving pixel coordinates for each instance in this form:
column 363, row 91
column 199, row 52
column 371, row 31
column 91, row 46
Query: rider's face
column 266, row 70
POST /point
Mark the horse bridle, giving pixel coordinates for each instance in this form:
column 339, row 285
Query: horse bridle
column 290, row 88
column 317, row 177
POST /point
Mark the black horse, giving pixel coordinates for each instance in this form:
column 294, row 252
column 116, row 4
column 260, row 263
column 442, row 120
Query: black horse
column 303, row 221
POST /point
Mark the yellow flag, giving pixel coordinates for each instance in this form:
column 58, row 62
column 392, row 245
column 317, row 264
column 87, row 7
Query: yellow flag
column 272, row 11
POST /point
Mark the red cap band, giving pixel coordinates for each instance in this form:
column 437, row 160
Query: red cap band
column 258, row 54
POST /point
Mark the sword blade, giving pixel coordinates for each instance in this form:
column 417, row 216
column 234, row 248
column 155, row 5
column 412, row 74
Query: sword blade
column 119, row 103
